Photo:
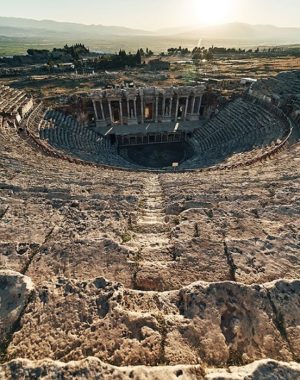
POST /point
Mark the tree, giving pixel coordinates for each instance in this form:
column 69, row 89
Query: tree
column 197, row 54
column 50, row 65
column 208, row 55
column 138, row 57
column 122, row 53
column 150, row 53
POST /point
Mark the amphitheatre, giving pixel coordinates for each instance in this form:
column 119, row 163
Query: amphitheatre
column 156, row 237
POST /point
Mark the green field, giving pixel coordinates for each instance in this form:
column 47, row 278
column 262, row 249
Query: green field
column 13, row 46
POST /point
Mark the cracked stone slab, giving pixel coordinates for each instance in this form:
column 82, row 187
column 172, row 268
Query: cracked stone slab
column 286, row 300
column 215, row 324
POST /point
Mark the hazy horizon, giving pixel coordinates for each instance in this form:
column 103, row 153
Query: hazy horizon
column 159, row 14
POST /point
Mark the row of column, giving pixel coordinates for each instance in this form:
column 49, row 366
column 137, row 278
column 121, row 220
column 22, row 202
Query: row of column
column 133, row 115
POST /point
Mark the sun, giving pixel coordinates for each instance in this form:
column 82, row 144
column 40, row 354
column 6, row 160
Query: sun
column 212, row 12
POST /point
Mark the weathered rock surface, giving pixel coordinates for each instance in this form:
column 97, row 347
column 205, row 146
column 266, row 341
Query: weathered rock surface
column 79, row 222
column 250, row 217
column 259, row 370
column 93, row 368
column 210, row 323
column 284, row 297
column 15, row 291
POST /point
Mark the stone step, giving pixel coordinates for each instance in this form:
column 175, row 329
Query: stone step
column 153, row 202
column 149, row 228
column 150, row 220
column 159, row 210
column 155, row 212
column 156, row 199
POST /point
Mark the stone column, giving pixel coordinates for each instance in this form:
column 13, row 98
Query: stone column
column 110, row 112
column 142, row 109
column 186, row 108
column 135, row 113
column 128, row 109
column 163, row 107
column 177, row 106
column 199, row 105
column 193, row 104
column 156, row 109
column 102, row 109
column 121, row 112
column 171, row 106
column 95, row 109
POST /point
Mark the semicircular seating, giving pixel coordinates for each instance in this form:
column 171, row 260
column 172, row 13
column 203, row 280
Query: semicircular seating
column 241, row 126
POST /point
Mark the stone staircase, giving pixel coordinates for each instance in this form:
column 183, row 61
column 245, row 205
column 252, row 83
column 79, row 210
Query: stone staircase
column 152, row 215
column 151, row 237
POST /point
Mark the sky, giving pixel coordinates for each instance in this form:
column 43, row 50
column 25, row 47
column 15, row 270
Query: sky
column 157, row 14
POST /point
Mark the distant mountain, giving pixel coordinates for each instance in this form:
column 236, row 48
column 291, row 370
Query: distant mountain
column 175, row 30
column 18, row 27
column 240, row 31
column 47, row 29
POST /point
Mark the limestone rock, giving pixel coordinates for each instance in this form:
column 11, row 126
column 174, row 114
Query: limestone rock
column 212, row 323
column 259, row 370
column 284, row 296
column 93, row 368
column 15, row 291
